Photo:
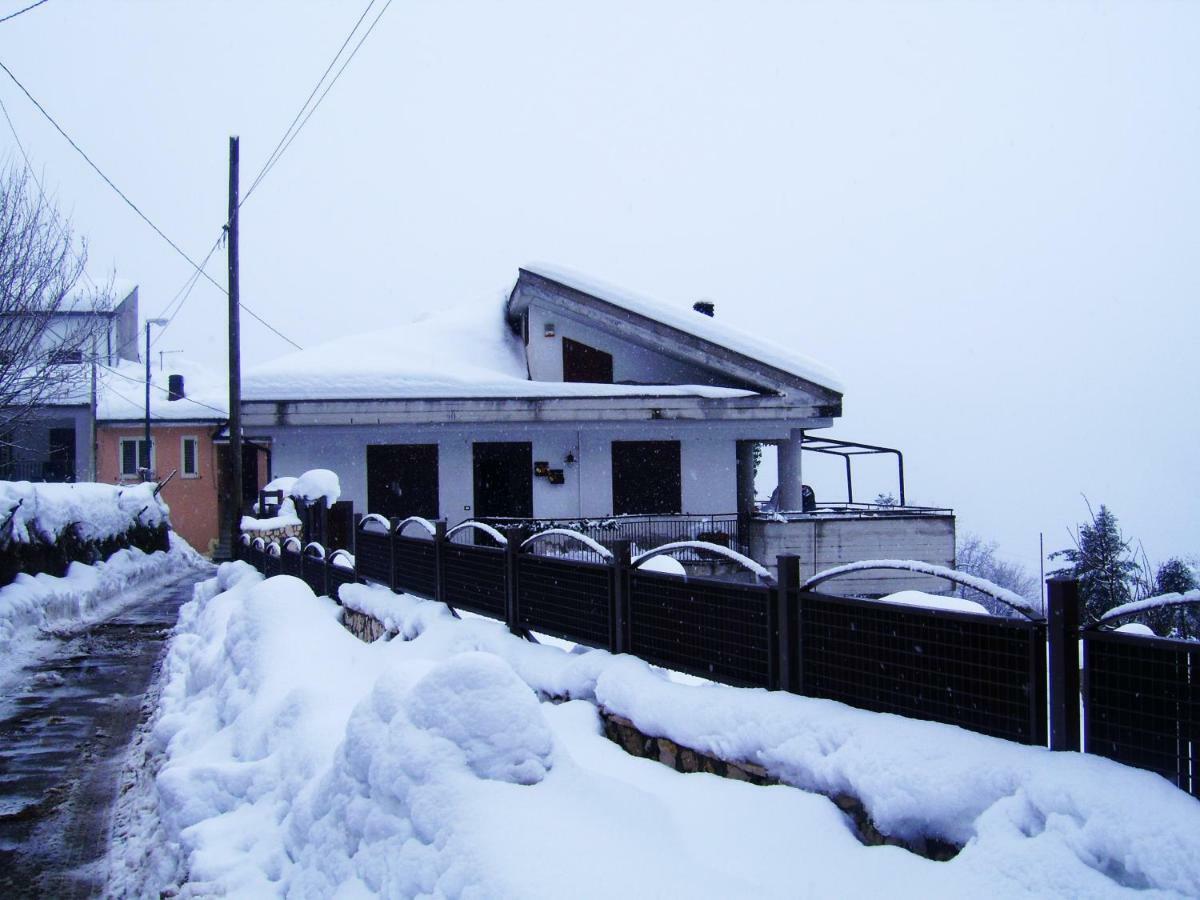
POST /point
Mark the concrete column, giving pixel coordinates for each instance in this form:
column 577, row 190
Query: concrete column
column 790, row 481
column 745, row 476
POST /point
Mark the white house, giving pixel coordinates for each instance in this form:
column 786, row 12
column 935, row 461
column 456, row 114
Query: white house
column 572, row 401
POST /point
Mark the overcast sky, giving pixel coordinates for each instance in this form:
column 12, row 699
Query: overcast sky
column 983, row 216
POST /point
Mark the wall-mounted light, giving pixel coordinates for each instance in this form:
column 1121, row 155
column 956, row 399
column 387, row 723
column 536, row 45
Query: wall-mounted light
column 548, row 329
column 570, row 458
column 541, row 468
column 555, row 476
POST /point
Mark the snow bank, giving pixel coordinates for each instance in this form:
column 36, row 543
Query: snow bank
column 97, row 511
column 428, row 767
column 933, row 601
column 316, row 484
column 33, row 604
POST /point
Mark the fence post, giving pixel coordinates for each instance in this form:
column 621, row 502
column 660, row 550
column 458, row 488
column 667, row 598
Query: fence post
column 512, row 578
column 1062, row 635
column 355, row 520
column 785, row 645
column 393, row 521
column 618, row 640
column 439, row 562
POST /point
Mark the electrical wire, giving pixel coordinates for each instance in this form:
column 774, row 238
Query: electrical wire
column 98, row 170
column 278, row 154
column 304, row 106
column 141, row 214
column 21, row 11
column 162, row 390
column 41, row 188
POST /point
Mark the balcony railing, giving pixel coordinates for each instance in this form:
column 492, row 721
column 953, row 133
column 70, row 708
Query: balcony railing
column 52, row 470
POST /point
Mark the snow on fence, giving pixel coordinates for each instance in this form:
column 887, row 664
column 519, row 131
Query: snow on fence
column 981, row 672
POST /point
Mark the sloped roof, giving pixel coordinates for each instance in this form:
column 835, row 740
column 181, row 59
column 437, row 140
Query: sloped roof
column 753, row 350
column 466, row 352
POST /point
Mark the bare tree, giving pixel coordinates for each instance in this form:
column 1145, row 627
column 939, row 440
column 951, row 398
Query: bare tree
column 47, row 324
column 975, row 556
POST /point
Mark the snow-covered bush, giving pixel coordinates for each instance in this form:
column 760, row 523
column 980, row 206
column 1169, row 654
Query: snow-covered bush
column 45, row 527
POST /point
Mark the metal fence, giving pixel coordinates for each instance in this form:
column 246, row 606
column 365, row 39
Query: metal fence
column 1141, row 699
column 642, row 532
column 1014, row 678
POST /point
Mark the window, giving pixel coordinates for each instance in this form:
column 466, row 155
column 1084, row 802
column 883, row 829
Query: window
column 63, row 355
column 646, row 477
column 134, row 457
column 586, row 364
column 189, row 458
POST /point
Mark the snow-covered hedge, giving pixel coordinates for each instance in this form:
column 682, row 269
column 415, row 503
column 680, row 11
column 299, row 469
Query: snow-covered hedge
column 46, row 527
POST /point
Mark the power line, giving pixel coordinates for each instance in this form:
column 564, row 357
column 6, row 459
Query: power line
column 276, row 156
column 135, row 208
column 97, row 169
column 304, row 106
column 37, row 181
column 20, row 11
column 141, row 382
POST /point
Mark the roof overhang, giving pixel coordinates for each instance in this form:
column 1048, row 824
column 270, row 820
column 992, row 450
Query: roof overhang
column 264, row 413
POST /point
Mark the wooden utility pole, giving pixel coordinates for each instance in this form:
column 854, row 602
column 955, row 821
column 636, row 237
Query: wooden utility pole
column 235, row 359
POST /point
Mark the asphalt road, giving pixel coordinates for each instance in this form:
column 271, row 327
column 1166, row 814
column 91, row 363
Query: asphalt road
column 64, row 731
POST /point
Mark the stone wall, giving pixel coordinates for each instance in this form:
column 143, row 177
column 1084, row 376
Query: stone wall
column 280, row 534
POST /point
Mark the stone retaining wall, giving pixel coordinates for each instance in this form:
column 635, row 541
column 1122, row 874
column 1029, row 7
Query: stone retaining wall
column 279, row 534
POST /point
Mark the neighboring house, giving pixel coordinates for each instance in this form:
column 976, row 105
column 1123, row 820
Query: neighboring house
column 188, row 443
column 571, row 402
column 56, row 442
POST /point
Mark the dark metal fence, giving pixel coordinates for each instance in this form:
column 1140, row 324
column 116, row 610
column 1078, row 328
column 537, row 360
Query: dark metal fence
column 1142, row 703
column 713, row 629
column 994, row 675
column 980, row 672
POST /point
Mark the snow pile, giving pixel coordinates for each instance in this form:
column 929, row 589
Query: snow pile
column 96, row 511
column 427, row 767
column 316, row 484
column 33, row 604
column 933, row 601
column 285, row 516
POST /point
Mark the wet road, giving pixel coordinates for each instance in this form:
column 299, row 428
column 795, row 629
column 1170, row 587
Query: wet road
column 64, row 730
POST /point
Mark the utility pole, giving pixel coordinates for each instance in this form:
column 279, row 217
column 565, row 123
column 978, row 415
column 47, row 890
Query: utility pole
column 147, row 472
column 235, row 357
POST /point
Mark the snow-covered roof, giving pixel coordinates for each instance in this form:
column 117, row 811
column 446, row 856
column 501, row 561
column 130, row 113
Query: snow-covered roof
column 121, row 393
column 464, row 352
column 711, row 329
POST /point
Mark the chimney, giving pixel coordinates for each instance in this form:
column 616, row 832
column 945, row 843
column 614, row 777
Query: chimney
column 175, row 387
column 705, row 308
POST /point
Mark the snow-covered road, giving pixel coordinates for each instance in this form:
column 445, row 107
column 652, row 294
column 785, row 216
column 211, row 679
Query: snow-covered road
column 65, row 723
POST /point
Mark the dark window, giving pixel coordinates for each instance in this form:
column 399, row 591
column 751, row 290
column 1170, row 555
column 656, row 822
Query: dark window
column 504, row 480
column 645, row 477
column 134, row 456
column 189, row 457
column 62, row 356
column 586, row 364
column 402, row 480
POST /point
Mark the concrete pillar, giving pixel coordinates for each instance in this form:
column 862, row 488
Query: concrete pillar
column 790, row 480
column 745, row 476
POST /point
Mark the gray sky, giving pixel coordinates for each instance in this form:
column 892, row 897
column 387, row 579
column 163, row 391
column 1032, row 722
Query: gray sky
column 983, row 216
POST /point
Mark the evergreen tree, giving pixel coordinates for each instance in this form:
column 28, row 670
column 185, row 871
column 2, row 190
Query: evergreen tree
column 1102, row 562
column 1174, row 577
